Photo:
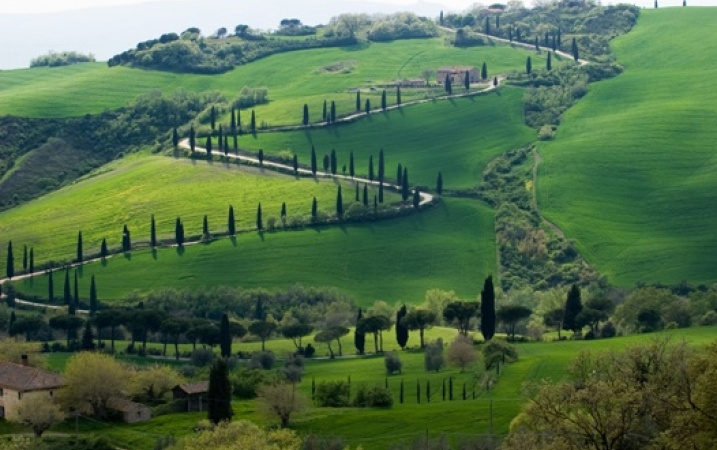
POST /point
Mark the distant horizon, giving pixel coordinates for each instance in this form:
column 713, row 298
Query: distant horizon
column 32, row 28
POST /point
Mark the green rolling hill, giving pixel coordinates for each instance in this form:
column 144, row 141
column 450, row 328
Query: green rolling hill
column 632, row 173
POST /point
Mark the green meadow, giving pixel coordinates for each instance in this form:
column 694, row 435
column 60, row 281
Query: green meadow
column 458, row 137
column 632, row 173
column 455, row 419
column 292, row 79
column 450, row 246
column 129, row 191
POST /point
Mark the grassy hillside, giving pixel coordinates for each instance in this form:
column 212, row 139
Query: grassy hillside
column 450, row 247
column 632, row 174
column 457, row 137
column 129, row 191
column 292, row 78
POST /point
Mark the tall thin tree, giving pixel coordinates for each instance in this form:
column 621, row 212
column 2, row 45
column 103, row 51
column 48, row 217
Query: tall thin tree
column 259, row 221
column 79, row 247
column 231, row 223
column 305, row 119
column 50, row 287
column 313, row 160
column 339, row 203
column 358, row 100
column 31, row 268
column 152, row 233
column 351, row 165
column 225, row 337
column 487, row 309
column 93, row 296
column 219, row 405
column 405, row 190
column 439, row 183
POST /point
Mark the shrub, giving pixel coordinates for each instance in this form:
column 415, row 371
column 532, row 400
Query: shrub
column 188, row 371
column 434, row 356
column 393, row 363
column 246, row 382
column 262, row 360
column 202, row 357
column 309, row 351
column 608, row 330
column 373, row 397
column 333, row 394
column 710, row 318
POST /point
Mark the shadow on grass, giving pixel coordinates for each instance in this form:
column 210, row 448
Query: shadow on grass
column 180, row 250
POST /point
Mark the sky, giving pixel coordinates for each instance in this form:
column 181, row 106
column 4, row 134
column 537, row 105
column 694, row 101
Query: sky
column 107, row 27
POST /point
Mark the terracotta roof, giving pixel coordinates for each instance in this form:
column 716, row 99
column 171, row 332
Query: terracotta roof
column 199, row 387
column 124, row 405
column 25, row 378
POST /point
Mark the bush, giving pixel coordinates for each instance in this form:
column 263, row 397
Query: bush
column 710, row 318
column 202, row 357
column 333, row 394
column 608, row 330
column 309, row 351
column 393, row 363
column 262, row 360
column 246, row 382
column 434, row 356
column 188, row 371
column 55, row 59
column 373, row 397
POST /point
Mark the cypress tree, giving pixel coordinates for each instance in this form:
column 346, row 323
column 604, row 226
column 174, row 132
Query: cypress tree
column 559, row 37
column 233, row 122
column 76, row 297
column 334, row 162
column 79, row 246
column 448, row 87
column 205, row 227
column 305, row 119
column 220, row 141
column 152, row 233
column 235, row 144
column 549, row 62
column 231, row 223
column 260, row 156
column 208, row 146
column 487, row 25
column 219, row 407
column 365, row 195
column 358, row 100
column 326, row 163
column 359, row 335
column 175, row 137
column 252, row 123
column 370, row 168
column 368, row 106
column 416, row 198
column 381, row 166
column 401, row 328
column 576, row 55
column 351, row 164
column 67, row 293
column 314, row 209
column 313, row 160
column 225, row 337
column 339, row 204
column 126, row 241
column 32, row 260
column 383, row 100
column 398, row 95
column 333, row 111
column 405, row 191
column 213, row 117
column 487, row 309
column 439, row 184
column 573, row 307
column 400, row 393
column 103, row 249
column 88, row 338
column 440, row 18
column 192, row 138
column 296, row 164
column 357, row 192
column 179, row 232
column 528, row 65
column 259, row 222
column 325, row 112
column 93, row 296
column 510, row 33
column 399, row 175
column 239, row 128
column 495, row 81
column 226, row 145
column 24, row 257
column 484, row 71
column 467, row 81
column 50, row 287
column 555, row 43
column 656, row 5
column 537, row 44
column 283, row 210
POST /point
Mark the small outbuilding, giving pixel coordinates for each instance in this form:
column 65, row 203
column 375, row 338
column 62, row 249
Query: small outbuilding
column 19, row 381
column 129, row 411
column 193, row 395
column 457, row 74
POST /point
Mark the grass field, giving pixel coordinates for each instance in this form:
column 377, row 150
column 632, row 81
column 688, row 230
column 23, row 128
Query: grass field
column 129, row 191
column 456, row 419
column 450, row 246
column 458, row 137
column 632, row 173
column 292, row 78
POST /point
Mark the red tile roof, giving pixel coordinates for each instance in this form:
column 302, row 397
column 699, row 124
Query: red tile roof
column 25, row 378
column 199, row 387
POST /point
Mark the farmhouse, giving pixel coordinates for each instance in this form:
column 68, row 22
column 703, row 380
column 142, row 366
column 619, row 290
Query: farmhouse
column 19, row 381
column 457, row 74
column 129, row 411
column 194, row 394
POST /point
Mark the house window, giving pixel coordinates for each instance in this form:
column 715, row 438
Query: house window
column 1, row 392
column 52, row 394
column 19, row 395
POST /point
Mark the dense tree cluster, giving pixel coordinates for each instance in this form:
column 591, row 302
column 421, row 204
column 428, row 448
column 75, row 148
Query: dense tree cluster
column 57, row 59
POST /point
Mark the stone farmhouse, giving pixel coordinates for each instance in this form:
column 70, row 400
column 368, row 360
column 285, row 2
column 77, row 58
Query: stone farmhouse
column 19, row 381
column 457, row 75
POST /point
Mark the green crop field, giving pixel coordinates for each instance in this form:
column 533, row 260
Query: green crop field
column 129, row 191
column 450, row 246
column 292, row 80
column 458, row 137
column 632, row 173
